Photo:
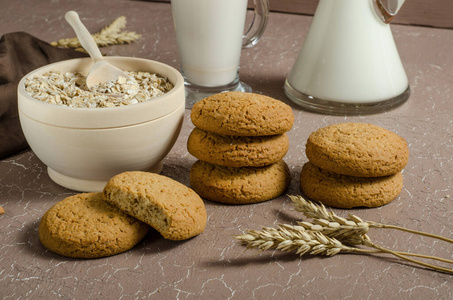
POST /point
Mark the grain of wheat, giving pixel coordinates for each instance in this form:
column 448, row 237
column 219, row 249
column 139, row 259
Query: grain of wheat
column 311, row 210
column 349, row 230
column 349, row 235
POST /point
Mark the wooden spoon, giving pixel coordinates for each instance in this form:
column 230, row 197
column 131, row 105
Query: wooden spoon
column 102, row 71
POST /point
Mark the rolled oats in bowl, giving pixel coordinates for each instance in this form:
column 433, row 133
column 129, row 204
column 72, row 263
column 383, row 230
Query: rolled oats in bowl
column 69, row 89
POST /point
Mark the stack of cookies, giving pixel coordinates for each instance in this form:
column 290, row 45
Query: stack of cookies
column 240, row 140
column 353, row 165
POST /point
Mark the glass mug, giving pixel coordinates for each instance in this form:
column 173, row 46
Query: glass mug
column 210, row 37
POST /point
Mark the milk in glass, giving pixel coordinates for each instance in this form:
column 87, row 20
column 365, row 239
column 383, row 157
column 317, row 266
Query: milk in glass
column 209, row 35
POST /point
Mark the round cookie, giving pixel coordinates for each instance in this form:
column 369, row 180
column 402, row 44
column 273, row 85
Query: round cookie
column 239, row 185
column 231, row 151
column 357, row 149
column 344, row 191
column 170, row 207
column 84, row 226
column 242, row 114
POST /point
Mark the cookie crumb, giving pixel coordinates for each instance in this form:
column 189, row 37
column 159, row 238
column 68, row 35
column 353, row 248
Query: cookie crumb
column 2, row 210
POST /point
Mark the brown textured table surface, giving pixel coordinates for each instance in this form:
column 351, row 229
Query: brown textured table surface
column 213, row 265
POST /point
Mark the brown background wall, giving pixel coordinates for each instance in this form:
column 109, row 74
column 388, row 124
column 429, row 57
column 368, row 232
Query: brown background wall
column 435, row 13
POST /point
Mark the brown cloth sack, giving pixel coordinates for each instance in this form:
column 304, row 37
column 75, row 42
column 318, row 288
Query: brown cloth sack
column 21, row 53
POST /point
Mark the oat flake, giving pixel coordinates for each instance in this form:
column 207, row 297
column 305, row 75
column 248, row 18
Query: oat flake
column 70, row 89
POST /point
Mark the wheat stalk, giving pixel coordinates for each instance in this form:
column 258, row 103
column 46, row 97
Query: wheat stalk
column 110, row 35
column 354, row 235
column 319, row 211
column 301, row 241
column 329, row 234
column 404, row 256
column 386, row 226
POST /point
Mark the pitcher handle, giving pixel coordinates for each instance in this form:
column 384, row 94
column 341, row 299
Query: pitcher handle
column 387, row 9
column 251, row 37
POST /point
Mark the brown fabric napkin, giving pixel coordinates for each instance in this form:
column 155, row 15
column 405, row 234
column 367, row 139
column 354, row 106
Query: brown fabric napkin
column 21, row 53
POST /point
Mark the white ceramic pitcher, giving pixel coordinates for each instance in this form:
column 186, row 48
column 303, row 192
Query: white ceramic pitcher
column 349, row 63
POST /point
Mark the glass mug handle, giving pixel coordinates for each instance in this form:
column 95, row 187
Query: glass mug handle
column 251, row 37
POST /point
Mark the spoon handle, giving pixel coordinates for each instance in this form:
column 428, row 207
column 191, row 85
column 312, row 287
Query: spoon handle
column 83, row 35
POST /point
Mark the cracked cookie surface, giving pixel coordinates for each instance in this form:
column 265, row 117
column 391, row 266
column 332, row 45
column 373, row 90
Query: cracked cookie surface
column 84, row 226
column 357, row 149
column 242, row 114
column 170, row 207
column 244, row 185
column 231, row 151
column 344, row 191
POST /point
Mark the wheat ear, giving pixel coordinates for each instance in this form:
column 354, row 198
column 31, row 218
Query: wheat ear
column 110, row 35
column 319, row 211
column 295, row 239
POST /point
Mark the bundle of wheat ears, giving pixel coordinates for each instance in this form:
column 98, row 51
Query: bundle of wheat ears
column 329, row 234
column 110, row 35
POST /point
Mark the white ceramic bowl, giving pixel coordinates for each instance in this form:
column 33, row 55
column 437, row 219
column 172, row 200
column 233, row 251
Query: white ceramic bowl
column 84, row 147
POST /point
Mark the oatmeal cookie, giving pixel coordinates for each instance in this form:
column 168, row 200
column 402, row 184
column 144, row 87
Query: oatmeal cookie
column 231, row 151
column 239, row 185
column 170, row 207
column 344, row 191
column 357, row 149
column 242, row 114
column 84, row 226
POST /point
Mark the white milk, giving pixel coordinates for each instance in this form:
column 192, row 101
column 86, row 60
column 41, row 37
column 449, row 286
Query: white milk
column 209, row 35
column 349, row 56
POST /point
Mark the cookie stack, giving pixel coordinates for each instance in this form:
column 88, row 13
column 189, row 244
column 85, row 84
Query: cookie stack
column 354, row 164
column 240, row 140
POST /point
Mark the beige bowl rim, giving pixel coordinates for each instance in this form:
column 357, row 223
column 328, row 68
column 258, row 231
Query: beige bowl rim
column 104, row 117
